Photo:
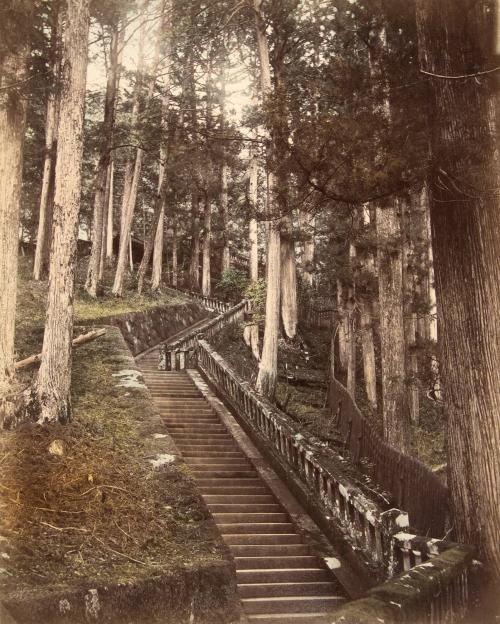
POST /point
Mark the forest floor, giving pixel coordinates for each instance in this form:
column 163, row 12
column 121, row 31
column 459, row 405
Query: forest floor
column 306, row 403
column 82, row 502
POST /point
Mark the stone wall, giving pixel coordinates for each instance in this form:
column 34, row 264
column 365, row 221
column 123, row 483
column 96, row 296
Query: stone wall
column 142, row 330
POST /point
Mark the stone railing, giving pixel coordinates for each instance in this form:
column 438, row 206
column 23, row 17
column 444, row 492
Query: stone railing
column 178, row 355
column 367, row 526
column 210, row 303
column 428, row 578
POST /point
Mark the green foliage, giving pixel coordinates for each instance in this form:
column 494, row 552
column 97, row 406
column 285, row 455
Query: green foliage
column 255, row 292
column 232, row 285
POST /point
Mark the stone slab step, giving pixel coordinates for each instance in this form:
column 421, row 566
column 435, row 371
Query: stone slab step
column 228, row 518
column 262, row 538
column 282, row 575
column 229, row 482
column 276, row 563
column 230, row 472
column 271, row 550
column 291, row 604
column 240, row 498
column 230, row 490
column 289, row 618
column 261, row 590
column 244, row 509
column 254, row 527
column 219, row 461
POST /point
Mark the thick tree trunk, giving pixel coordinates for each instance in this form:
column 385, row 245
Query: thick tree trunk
column 395, row 417
column 343, row 326
column 351, row 332
column 206, row 287
column 226, row 256
column 251, row 332
column 44, row 232
column 465, row 217
column 366, row 326
column 194, row 263
column 289, row 313
column 94, row 273
column 12, row 122
column 268, row 367
column 109, row 228
column 105, row 223
column 158, row 253
column 54, row 377
column 175, row 272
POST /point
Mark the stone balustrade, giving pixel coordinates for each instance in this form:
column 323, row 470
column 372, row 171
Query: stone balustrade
column 178, row 355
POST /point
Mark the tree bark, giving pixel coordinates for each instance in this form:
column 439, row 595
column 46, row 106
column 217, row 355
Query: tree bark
column 94, row 273
column 251, row 331
column 175, row 274
column 395, row 416
column 206, row 287
column 343, row 326
column 158, row 252
column 105, row 223
column 268, row 367
column 44, row 232
column 351, row 332
column 54, row 377
column 465, row 218
column 226, row 256
column 12, row 123
column 109, row 228
column 132, row 170
column 308, row 225
column 289, row 313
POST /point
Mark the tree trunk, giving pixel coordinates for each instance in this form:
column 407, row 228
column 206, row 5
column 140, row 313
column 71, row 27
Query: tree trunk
column 109, row 228
column 12, row 123
column 395, row 417
column 105, row 223
column 44, row 232
column 366, row 325
column 132, row 172
column 251, row 331
column 343, row 326
column 93, row 281
column 351, row 332
column 175, row 274
column 206, row 288
column 289, row 312
column 54, row 377
column 308, row 224
column 158, row 252
column 226, row 256
column 268, row 367
column 465, row 217
column 194, row 263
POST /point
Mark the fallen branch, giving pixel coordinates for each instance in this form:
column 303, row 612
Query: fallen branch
column 33, row 360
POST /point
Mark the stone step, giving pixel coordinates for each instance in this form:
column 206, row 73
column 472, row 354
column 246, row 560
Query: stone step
column 275, row 563
column 254, row 527
column 289, row 618
column 282, row 575
column 232, row 518
column 238, row 483
column 231, row 490
column 239, row 498
column 262, row 590
column 229, row 472
column 248, row 508
column 260, row 538
column 187, row 428
column 291, row 604
column 212, row 454
column 217, row 460
column 193, row 448
column 272, row 550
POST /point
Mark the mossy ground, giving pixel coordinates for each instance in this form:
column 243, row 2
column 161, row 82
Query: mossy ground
column 99, row 512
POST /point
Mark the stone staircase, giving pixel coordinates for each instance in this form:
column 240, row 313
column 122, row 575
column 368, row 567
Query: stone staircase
column 279, row 580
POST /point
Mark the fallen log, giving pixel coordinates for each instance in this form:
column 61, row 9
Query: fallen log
column 33, row 360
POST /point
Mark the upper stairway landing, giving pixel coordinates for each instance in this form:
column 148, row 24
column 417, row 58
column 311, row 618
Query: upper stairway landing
column 279, row 579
